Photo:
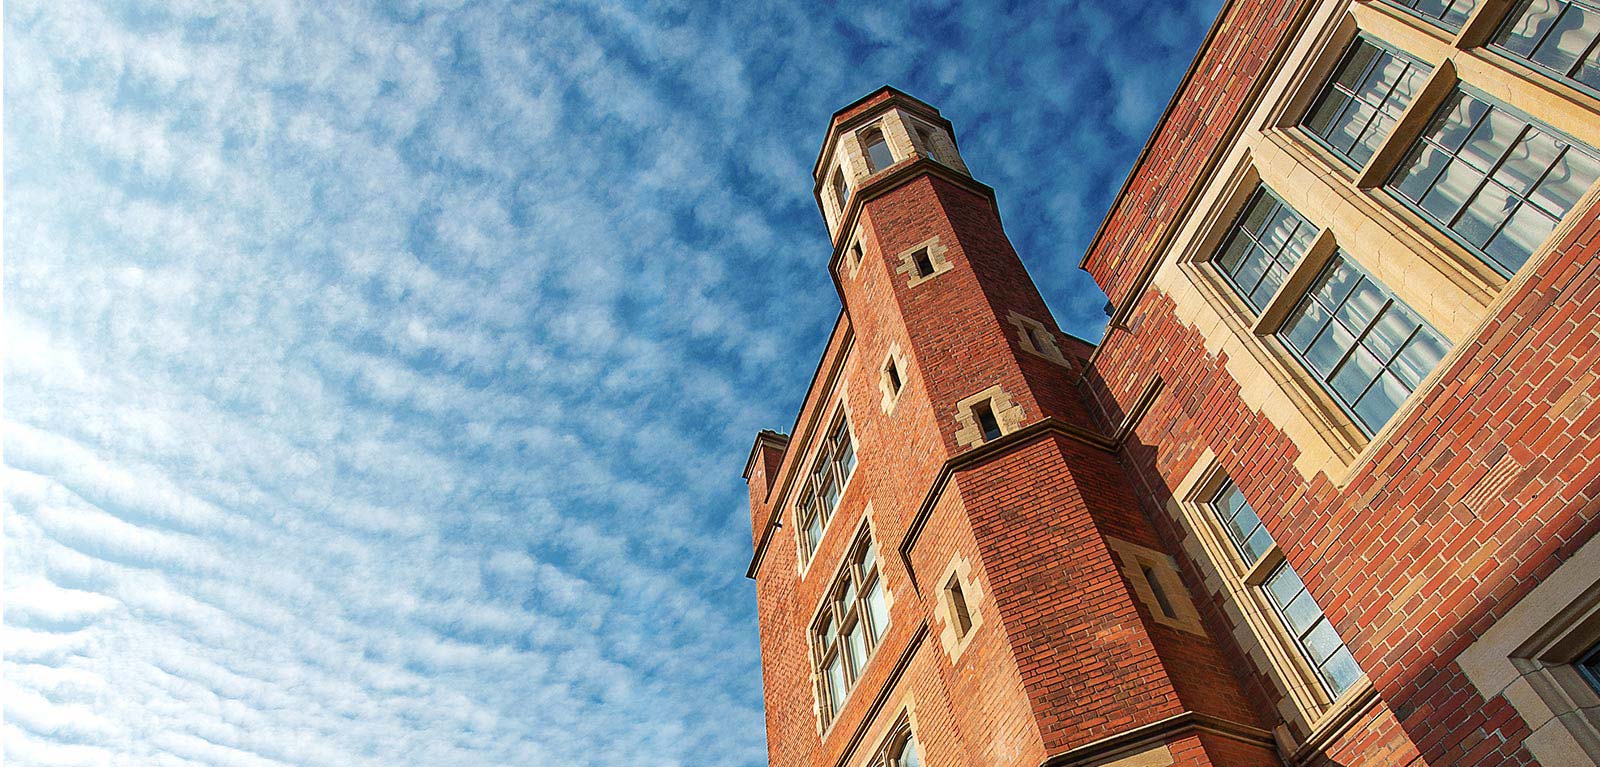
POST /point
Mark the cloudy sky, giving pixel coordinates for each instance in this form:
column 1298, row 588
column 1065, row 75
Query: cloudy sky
column 378, row 377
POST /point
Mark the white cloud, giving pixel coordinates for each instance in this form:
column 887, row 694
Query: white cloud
column 378, row 379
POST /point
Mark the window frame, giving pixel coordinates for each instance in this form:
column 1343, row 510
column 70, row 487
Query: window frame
column 1268, row 566
column 1512, row 16
column 856, row 578
column 1324, row 381
column 826, row 472
column 1361, row 36
column 1439, row 22
column 871, row 136
column 1588, row 666
column 1236, row 229
column 1417, row 143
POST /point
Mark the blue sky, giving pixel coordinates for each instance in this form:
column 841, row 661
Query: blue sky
column 378, row 377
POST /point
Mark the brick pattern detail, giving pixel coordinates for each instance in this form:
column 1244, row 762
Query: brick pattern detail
column 1434, row 537
column 1194, row 126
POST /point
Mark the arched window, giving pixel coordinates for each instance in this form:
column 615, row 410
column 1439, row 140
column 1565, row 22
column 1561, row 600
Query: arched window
column 877, row 149
column 925, row 137
column 904, row 753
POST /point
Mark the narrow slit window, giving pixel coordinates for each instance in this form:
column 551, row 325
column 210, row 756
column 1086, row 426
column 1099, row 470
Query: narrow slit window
column 841, row 189
column 878, row 154
column 922, row 262
column 892, row 371
column 1158, row 592
column 925, row 137
column 960, row 613
column 984, row 415
column 855, row 253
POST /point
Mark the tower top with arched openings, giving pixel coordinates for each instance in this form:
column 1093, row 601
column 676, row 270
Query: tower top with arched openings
column 875, row 143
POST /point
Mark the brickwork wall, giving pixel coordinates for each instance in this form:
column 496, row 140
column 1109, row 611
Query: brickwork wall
column 1093, row 659
column 1408, row 571
column 1194, row 125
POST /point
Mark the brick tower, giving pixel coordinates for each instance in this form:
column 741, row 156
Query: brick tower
column 952, row 566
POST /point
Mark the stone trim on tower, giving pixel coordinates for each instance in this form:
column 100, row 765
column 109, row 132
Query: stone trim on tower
column 923, row 261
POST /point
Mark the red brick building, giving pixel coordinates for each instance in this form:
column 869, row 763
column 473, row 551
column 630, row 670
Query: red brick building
column 1324, row 493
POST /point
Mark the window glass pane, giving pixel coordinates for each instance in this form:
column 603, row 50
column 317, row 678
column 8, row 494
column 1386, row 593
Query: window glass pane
column 1589, row 666
column 1360, row 305
column 1527, row 161
column 1322, row 642
column 1569, row 39
column 878, row 153
column 877, row 610
column 1381, row 401
column 829, row 632
column 1451, row 191
column 1349, row 357
column 1419, row 171
column 1267, row 240
column 1357, row 372
column 1241, row 524
column 1482, row 218
column 1259, row 543
column 813, row 531
column 1329, row 349
column 1302, row 613
column 847, row 593
column 907, row 756
column 830, row 494
column 1304, row 325
column 869, row 558
column 856, row 638
column 1340, row 671
column 1285, row 585
column 847, row 451
column 1524, row 233
column 1572, row 175
column 1390, row 332
column 1494, row 134
column 1527, row 25
column 1419, row 359
column 1449, row 13
column 1318, row 641
column 834, row 673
